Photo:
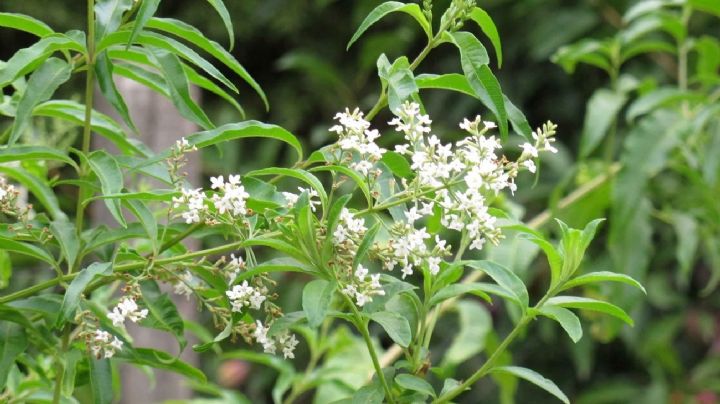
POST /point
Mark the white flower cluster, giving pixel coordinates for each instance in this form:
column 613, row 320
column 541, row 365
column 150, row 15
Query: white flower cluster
column 543, row 142
column 184, row 284
column 10, row 198
column 285, row 341
column 291, row 199
column 363, row 286
column 104, row 345
column 349, row 228
column 126, row 308
column 233, row 268
column 7, row 191
column 244, row 295
column 229, row 198
column 356, row 136
column 409, row 250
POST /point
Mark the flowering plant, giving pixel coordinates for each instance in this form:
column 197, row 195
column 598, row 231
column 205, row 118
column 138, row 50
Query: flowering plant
column 381, row 233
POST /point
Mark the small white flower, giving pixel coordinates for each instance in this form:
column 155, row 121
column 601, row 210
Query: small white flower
column 529, row 149
column 530, row 165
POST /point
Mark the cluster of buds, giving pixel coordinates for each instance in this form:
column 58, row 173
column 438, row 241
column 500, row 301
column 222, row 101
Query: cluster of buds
column 456, row 15
column 178, row 159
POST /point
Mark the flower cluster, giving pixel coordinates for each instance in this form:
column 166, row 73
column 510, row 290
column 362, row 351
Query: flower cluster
column 126, row 308
column 285, row 341
column 184, row 284
column 233, row 268
column 355, row 135
column 103, row 344
column 408, row 249
column 230, row 198
column 363, row 286
column 178, row 159
column 244, row 295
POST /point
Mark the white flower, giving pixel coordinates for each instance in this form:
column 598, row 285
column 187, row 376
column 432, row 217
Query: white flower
column 244, row 295
column 103, row 344
column 313, row 198
column 126, row 308
column 530, row 165
column 231, row 196
column 434, row 265
column 182, row 286
column 288, row 342
column 348, row 228
column 261, row 337
column 193, row 202
column 529, row 149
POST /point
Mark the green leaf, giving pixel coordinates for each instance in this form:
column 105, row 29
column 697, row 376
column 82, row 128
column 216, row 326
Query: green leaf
column 278, row 245
column 370, row 394
column 459, row 289
column 601, row 112
column 220, row 337
column 161, row 360
column 316, row 298
column 555, row 259
column 246, row 129
column 5, row 269
column 146, row 218
column 25, row 23
column 475, row 324
column 111, row 180
column 27, row 59
column 332, row 220
column 589, row 51
column 101, row 124
column 191, row 34
column 397, row 164
column 104, row 73
column 13, row 342
column 30, row 250
column 296, row 173
column 585, row 303
column 365, row 245
column 567, row 319
column 101, row 380
column 71, row 301
column 474, row 60
column 65, row 234
column 145, row 12
column 41, row 86
column 222, row 11
column 179, row 91
column 359, row 181
column 390, row 7
column 108, row 16
column 602, row 276
column 163, row 313
column 42, row 192
column 688, row 239
column 534, row 378
column 655, row 99
column 414, row 383
column 486, row 24
column 708, row 6
column 395, row 325
column 22, row 153
column 505, row 278
column 399, row 80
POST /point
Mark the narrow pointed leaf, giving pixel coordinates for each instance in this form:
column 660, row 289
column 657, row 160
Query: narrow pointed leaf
column 13, row 342
column 65, row 234
column 104, row 73
column 390, row 7
column 40, row 87
column 585, row 303
column 534, row 378
column 71, row 301
column 414, row 383
column 101, row 380
column 316, row 299
column 601, row 112
column 30, row 250
column 566, row 318
column 603, row 276
column 22, row 153
column 145, row 12
column 25, row 23
column 486, row 24
column 28, row 59
column 108, row 15
column 222, row 11
column 505, row 278
column 163, row 313
column 111, row 180
column 296, row 173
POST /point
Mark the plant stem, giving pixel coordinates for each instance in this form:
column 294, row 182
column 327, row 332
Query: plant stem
column 87, row 126
column 60, row 368
column 362, row 326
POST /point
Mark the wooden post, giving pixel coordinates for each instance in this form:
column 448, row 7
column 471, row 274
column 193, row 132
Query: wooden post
column 160, row 125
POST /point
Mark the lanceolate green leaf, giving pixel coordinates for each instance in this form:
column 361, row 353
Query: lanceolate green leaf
column 603, row 276
column 585, row 303
column 146, row 218
column 474, row 60
column 65, row 234
column 601, row 112
column 415, row 383
column 296, row 173
column 71, row 301
column 365, row 245
column 359, row 181
column 191, row 34
column 22, row 153
column 101, row 124
column 459, row 289
column 395, row 325
column 111, row 180
column 145, row 12
column 505, row 278
column 104, row 73
column 44, row 194
column 163, row 313
column 566, row 318
column 101, row 380
column 475, row 324
column 25, row 23
column 13, row 342
column 483, row 19
column 108, row 15
column 40, row 87
column 179, row 91
column 316, row 298
column 222, row 11
column 246, row 129
column 161, row 360
column 390, row 7
column 534, row 378
column 30, row 250
column 28, row 59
